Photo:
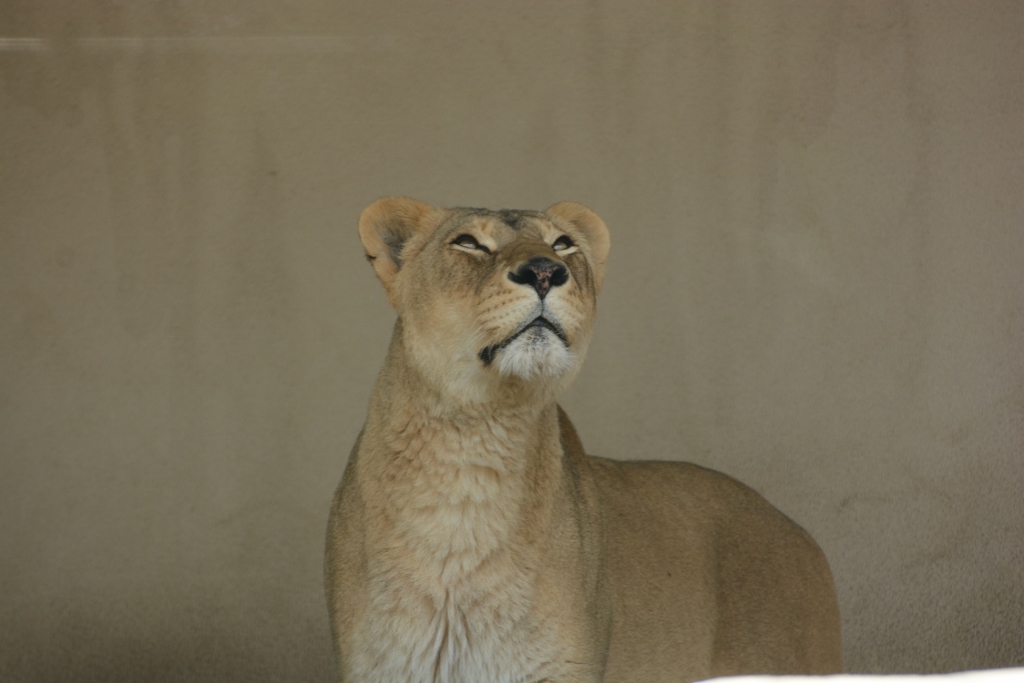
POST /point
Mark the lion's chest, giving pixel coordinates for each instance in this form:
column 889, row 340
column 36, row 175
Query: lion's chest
column 456, row 606
column 459, row 640
column 452, row 585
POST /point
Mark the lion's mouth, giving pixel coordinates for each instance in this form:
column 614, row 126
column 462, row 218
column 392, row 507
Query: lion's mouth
column 488, row 353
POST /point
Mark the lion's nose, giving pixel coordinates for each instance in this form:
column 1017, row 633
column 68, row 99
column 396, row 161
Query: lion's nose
column 540, row 273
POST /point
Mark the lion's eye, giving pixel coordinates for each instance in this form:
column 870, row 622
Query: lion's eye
column 469, row 242
column 563, row 243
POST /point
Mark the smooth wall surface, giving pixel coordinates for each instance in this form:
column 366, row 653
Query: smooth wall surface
column 816, row 285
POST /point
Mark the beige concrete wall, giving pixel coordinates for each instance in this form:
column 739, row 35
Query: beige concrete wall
column 816, row 285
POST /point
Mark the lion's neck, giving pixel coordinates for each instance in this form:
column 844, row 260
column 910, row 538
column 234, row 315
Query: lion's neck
column 455, row 485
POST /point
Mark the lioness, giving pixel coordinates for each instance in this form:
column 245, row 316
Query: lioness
column 472, row 539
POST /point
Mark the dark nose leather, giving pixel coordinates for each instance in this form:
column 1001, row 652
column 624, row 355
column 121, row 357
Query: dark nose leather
column 540, row 273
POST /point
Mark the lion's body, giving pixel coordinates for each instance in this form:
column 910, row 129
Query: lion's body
column 473, row 540
column 709, row 579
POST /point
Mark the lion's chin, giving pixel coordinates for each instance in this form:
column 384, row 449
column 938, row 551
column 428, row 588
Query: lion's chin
column 536, row 353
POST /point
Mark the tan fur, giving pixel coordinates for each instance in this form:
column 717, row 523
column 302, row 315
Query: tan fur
column 471, row 538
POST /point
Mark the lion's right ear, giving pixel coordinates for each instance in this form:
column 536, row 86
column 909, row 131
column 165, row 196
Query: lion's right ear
column 386, row 226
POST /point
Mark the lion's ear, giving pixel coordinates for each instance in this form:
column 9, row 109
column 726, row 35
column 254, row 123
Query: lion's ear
column 594, row 231
column 386, row 226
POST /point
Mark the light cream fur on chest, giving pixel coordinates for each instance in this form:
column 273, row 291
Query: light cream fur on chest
column 472, row 539
column 453, row 576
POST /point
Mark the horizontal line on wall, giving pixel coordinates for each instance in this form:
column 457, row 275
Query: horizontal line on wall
column 210, row 44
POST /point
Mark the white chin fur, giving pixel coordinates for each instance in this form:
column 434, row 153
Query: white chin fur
column 536, row 353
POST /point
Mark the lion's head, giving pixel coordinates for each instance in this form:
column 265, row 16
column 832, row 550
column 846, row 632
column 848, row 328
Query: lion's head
column 489, row 298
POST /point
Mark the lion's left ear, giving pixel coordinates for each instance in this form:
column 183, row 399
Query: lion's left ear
column 594, row 231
